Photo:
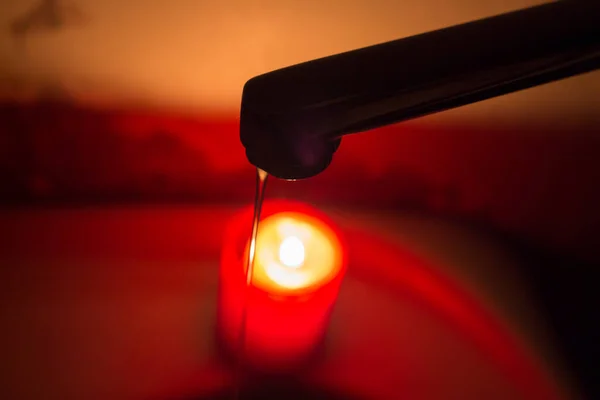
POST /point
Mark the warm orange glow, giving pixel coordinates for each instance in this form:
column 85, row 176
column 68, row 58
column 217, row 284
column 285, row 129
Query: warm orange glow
column 295, row 252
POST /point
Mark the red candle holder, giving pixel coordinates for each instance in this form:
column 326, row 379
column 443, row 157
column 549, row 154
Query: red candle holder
column 299, row 265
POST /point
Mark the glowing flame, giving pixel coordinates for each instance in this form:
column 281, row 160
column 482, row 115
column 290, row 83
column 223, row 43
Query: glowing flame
column 291, row 252
column 294, row 251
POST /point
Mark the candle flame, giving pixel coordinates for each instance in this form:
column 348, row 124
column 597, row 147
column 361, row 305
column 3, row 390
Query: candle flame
column 295, row 252
column 291, row 252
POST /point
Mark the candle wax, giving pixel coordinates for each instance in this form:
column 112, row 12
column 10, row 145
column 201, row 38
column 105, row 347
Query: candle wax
column 298, row 268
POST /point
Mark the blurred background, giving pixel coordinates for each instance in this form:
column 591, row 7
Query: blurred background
column 106, row 102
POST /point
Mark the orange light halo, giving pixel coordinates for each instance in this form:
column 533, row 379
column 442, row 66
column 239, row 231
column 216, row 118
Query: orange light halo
column 295, row 253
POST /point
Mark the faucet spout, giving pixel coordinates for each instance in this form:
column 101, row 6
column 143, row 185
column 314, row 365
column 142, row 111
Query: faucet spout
column 292, row 119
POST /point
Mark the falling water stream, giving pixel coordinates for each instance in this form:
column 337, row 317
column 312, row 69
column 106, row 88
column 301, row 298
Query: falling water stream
column 261, row 183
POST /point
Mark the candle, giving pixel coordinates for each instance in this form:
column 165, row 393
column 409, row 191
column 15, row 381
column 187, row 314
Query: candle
column 298, row 268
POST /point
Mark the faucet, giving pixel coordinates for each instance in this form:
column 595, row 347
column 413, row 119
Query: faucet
column 292, row 119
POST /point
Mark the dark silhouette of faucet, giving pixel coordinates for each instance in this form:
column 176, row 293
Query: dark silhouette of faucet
column 292, row 119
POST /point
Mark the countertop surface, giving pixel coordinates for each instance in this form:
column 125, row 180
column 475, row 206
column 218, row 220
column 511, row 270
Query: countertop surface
column 119, row 303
